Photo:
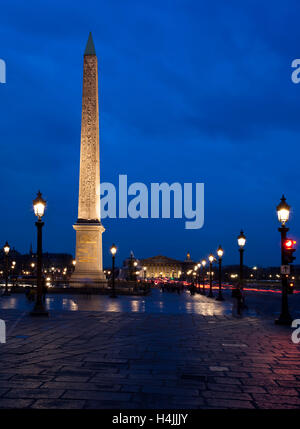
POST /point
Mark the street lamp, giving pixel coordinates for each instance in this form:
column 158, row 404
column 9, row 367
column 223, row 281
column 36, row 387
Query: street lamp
column 220, row 253
column 283, row 213
column 211, row 259
column 195, row 277
column 145, row 269
column 241, row 242
column 6, row 250
column 256, row 272
column 113, row 251
column 14, row 273
column 73, row 265
column 198, row 277
column 203, row 263
column 39, row 205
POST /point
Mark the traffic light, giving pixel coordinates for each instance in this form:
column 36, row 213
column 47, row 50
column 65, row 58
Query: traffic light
column 290, row 288
column 288, row 250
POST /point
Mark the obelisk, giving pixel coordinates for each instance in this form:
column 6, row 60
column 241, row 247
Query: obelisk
column 88, row 268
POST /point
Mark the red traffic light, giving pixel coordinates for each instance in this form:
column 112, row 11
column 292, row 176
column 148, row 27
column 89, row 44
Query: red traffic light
column 289, row 244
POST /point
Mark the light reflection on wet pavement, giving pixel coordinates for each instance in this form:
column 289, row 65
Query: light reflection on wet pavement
column 259, row 303
column 156, row 302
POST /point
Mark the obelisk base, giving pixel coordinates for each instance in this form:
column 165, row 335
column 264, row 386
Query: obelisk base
column 88, row 270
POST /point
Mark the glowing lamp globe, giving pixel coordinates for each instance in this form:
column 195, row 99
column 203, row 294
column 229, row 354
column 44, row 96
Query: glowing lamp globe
column 283, row 211
column 6, row 248
column 241, row 240
column 113, row 250
column 39, row 205
column 220, row 252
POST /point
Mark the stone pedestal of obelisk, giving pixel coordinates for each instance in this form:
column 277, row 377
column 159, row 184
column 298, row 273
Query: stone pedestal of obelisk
column 88, row 268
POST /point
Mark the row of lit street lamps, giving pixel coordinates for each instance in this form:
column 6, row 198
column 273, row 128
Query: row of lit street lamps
column 283, row 213
column 211, row 258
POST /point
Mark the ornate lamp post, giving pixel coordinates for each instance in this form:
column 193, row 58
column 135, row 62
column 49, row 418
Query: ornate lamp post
column 13, row 267
column 39, row 205
column 203, row 263
column 194, row 278
column 32, row 265
column 255, row 271
column 211, row 259
column 6, row 250
column 113, row 251
column 134, row 272
column 241, row 242
column 198, row 278
column 220, row 253
column 145, row 270
column 283, row 213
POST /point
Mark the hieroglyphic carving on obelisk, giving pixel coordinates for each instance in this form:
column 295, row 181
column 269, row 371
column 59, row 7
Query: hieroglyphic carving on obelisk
column 88, row 269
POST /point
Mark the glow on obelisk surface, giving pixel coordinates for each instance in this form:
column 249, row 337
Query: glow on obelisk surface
column 88, row 269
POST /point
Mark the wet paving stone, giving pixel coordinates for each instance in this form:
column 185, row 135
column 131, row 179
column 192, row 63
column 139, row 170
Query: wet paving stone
column 119, row 360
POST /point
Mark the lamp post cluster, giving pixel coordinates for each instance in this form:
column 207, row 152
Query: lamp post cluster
column 211, row 259
column 202, row 264
column 287, row 249
column 39, row 205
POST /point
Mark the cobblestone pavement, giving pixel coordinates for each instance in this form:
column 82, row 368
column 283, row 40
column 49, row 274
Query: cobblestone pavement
column 135, row 360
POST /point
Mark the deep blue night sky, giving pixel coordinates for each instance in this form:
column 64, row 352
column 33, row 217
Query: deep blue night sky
column 190, row 91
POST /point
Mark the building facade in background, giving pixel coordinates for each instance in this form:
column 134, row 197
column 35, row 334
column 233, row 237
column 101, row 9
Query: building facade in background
column 163, row 266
